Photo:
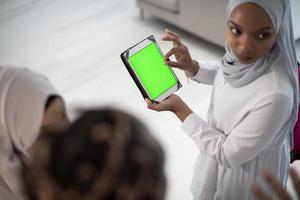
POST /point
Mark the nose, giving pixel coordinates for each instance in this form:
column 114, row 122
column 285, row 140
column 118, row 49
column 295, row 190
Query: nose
column 246, row 44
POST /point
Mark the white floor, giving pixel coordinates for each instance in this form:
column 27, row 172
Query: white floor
column 77, row 45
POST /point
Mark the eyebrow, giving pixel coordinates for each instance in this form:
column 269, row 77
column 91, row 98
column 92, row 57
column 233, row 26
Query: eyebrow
column 261, row 29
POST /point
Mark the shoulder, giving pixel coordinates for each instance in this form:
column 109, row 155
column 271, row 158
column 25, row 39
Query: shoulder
column 276, row 99
column 274, row 82
column 274, row 88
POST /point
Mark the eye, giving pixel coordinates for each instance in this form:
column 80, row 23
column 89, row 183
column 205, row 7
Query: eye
column 235, row 31
column 262, row 36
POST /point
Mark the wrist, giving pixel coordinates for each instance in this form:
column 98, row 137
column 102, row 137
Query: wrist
column 182, row 111
column 194, row 68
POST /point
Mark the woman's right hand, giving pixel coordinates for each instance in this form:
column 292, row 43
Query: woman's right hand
column 181, row 53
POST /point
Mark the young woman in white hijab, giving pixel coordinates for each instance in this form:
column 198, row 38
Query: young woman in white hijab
column 254, row 101
column 29, row 106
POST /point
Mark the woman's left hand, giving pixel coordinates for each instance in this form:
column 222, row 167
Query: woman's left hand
column 174, row 104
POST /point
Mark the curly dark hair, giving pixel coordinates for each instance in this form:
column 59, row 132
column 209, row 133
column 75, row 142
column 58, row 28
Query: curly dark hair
column 105, row 154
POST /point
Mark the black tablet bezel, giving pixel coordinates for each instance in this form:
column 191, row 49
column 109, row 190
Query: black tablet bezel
column 125, row 55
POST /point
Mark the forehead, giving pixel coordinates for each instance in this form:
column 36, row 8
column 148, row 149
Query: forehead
column 250, row 15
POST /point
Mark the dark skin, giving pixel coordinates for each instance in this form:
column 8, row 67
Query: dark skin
column 250, row 35
column 54, row 119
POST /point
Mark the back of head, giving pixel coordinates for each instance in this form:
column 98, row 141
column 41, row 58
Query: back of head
column 105, row 154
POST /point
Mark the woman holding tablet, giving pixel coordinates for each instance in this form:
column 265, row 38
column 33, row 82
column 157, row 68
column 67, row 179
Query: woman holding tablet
column 257, row 78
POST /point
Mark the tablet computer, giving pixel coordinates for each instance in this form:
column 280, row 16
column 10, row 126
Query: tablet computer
column 145, row 63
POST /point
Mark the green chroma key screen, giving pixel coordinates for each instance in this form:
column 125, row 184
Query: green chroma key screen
column 154, row 74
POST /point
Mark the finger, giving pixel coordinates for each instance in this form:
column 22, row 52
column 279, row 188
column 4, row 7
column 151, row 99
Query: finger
column 172, row 52
column 173, row 64
column 259, row 193
column 276, row 187
column 151, row 105
column 296, row 181
column 168, row 35
column 172, row 33
column 171, row 38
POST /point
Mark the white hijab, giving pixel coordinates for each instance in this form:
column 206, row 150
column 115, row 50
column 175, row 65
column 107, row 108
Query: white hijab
column 23, row 95
column 238, row 75
column 283, row 52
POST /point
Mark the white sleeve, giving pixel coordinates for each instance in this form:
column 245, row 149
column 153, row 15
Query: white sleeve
column 206, row 73
column 251, row 136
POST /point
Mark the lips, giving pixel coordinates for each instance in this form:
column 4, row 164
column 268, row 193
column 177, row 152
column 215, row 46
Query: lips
column 245, row 58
